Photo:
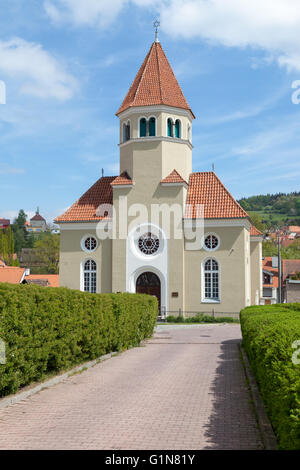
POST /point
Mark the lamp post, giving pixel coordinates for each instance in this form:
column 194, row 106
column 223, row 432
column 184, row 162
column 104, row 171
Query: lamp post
column 279, row 267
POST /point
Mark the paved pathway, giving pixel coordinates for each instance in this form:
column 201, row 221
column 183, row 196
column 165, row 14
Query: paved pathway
column 185, row 389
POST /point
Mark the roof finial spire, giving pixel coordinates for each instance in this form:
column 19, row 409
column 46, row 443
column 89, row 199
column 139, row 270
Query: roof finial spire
column 156, row 25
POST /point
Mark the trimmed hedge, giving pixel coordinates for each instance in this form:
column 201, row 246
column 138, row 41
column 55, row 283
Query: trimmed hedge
column 201, row 318
column 268, row 335
column 47, row 330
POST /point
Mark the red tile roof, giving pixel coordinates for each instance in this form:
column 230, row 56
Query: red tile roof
column 173, row 177
column 294, row 228
column 289, row 267
column 155, row 83
column 84, row 209
column 124, row 178
column 206, row 189
column 51, row 280
column 267, row 266
column 254, row 232
column 37, row 216
column 11, row 274
column 5, row 222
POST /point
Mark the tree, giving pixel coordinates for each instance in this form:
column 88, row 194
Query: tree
column 47, row 252
column 257, row 221
column 21, row 219
column 7, row 248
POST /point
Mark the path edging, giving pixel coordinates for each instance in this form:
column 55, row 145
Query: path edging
column 19, row 396
column 264, row 423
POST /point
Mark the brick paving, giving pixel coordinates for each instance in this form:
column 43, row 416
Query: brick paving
column 185, row 389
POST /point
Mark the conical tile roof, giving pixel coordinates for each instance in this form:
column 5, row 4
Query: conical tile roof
column 155, row 84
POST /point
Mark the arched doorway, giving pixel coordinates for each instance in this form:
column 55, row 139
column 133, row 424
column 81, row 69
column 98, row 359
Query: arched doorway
column 149, row 283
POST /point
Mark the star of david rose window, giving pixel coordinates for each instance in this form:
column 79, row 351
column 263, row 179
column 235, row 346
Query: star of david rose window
column 148, row 243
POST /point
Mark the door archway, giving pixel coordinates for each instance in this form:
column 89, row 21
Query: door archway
column 149, row 283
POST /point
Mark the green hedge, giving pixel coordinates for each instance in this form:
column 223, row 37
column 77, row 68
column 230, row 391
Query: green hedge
column 47, row 330
column 201, row 318
column 268, row 335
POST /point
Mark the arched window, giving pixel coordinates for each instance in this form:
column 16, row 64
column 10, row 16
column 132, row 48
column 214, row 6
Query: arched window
column 152, row 127
column 143, row 127
column 90, row 276
column 211, row 280
column 178, row 129
column 124, row 132
column 189, row 133
column 170, row 127
column 128, row 131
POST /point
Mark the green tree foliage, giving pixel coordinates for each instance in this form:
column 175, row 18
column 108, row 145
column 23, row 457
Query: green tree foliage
column 292, row 251
column 19, row 231
column 47, row 252
column 47, row 329
column 7, row 247
column 269, row 333
column 275, row 209
column 257, row 221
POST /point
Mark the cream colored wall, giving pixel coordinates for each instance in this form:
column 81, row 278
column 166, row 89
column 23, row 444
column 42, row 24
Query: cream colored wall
column 231, row 257
column 147, row 191
column 72, row 255
column 161, row 123
column 155, row 159
column 256, row 271
column 163, row 155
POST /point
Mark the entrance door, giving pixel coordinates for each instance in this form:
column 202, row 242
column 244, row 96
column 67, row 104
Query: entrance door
column 149, row 283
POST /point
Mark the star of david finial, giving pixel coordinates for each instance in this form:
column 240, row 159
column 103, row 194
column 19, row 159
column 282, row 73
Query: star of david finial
column 156, row 25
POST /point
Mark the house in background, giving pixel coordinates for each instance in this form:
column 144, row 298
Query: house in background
column 4, row 223
column 12, row 274
column 46, row 280
column 37, row 223
column 270, row 281
column 16, row 275
column 291, row 280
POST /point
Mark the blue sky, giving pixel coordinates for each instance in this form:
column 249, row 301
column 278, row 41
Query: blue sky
column 67, row 65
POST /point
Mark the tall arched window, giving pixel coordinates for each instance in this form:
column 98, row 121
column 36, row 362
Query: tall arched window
column 189, row 133
column 143, row 127
column 178, row 129
column 124, row 132
column 152, row 127
column 211, row 280
column 90, row 276
column 170, row 127
column 128, row 131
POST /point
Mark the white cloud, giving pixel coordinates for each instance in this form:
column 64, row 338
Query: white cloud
column 84, row 12
column 40, row 74
column 6, row 170
column 271, row 25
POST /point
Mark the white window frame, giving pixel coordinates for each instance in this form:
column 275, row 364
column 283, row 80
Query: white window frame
column 82, row 243
column 150, row 117
column 180, row 129
column 142, row 117
column 82, row 272
column 173, row 125
column 204, row 299
column 211, row 250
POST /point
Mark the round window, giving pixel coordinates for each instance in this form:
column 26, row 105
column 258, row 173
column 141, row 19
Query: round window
column 211, row 242
column 148, row 243
column 90, row 244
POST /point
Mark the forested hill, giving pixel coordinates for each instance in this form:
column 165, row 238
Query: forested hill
column 277, row 208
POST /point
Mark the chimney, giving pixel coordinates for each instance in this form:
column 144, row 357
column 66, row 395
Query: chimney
column 274, row 261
